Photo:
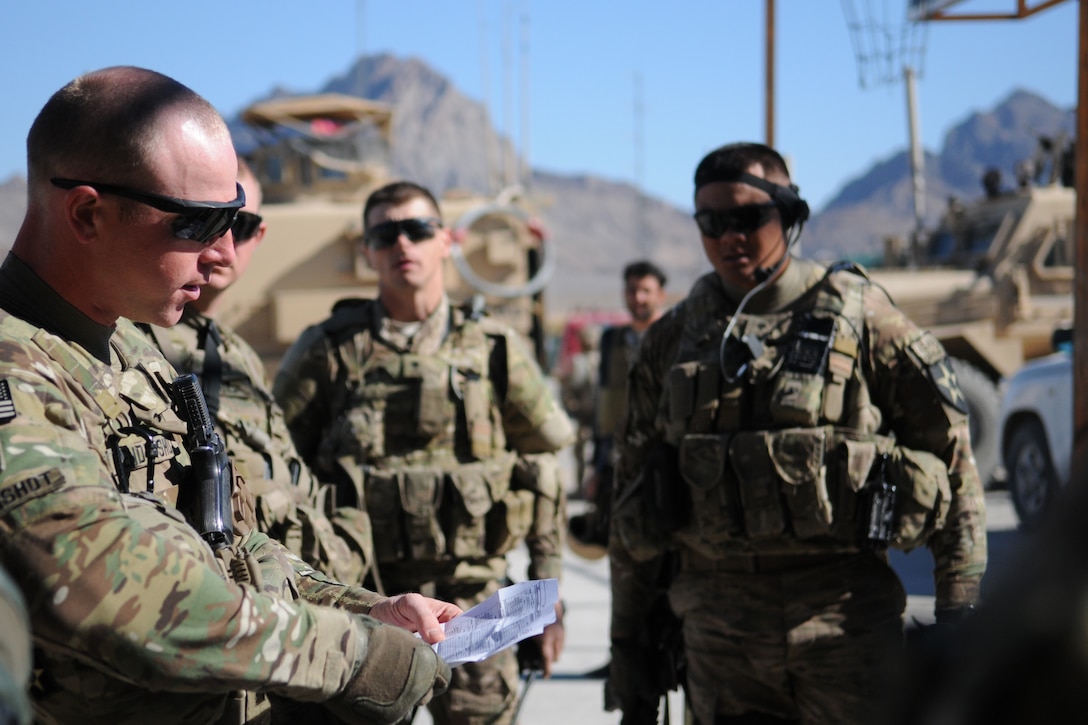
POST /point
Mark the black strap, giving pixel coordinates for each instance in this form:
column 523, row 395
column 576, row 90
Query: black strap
column 212, row 375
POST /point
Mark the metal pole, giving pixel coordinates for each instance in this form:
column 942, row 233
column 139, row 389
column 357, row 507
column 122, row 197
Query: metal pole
column 917, row 167
column 769, row 90
column 1080, row 226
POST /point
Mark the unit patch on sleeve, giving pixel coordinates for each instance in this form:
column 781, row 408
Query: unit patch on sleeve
column 944, row 379
column 7, row 405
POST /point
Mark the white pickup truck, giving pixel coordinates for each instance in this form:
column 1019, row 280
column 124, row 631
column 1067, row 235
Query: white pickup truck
column 1037, row 430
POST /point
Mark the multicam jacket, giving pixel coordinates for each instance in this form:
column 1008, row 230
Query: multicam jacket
column 773, row 435
column 132, row 617
column 445, row 437
column 290, row 501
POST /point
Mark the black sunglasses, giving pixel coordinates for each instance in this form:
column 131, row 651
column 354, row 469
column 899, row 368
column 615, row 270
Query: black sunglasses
column 385, row 235
column 200, row 221
column 739, row 220
column 245, row 226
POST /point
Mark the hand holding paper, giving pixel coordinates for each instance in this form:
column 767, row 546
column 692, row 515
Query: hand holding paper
column 505, row 618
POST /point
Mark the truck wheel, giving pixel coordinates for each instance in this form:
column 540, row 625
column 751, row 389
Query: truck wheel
column 984, row 414
column 1032, row 481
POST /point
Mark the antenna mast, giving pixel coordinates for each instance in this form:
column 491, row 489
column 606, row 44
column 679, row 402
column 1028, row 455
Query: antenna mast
column 485, row 83
column 642, row 234
column 526, row 169
column 360, row 28
column 508, row 163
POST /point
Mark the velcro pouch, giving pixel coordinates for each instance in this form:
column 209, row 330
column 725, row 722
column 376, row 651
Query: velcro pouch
column 383, row 504
column 420, row 493
column 431, row 378
column 798, row 457
column 853, row 460
column 751, row 456
column 715, row 504
column 797, row 398
column 924, row 495
column 465, row 524
column 515, row 485
column 474, row 393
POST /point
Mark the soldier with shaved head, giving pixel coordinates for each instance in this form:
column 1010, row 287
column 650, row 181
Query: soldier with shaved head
column 135, row 616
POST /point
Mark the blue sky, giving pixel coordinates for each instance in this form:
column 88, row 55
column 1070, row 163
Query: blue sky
column 700, row 65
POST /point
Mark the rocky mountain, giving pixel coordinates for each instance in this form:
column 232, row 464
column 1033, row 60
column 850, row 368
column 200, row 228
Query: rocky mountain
column 444, row 139
column 879, row 203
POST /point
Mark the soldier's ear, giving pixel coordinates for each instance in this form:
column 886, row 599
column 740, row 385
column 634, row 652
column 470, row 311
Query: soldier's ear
column 445, row 238
column 83, row 211
column 364, row 250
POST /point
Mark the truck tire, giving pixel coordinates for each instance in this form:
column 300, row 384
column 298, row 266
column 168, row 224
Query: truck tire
column 1032, row 480
column 984, row 416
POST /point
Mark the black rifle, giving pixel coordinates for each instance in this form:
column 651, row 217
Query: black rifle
column 205, row 499
column 665, row 633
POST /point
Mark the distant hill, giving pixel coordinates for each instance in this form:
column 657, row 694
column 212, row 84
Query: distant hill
column 880, row 203
column 444, row 139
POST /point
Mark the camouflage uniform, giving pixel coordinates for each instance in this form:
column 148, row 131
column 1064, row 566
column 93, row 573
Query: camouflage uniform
column 134, row 619
column 784, row 611
column 14, row 654
column 446, row 438
column 290, row 501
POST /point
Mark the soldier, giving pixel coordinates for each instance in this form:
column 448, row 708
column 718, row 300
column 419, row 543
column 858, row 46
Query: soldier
column 290, row 502
column 135, row 616
column 438, row 423
column 644, row 296
column 786, row 423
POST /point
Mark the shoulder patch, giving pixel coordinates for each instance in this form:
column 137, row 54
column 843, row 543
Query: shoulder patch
column 7, row 405
column 15, row 494
column 944, row 380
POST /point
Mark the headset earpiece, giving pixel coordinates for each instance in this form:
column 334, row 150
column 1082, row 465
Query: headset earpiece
column 793, row 208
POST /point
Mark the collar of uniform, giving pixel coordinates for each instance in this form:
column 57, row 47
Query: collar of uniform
column 797, row 278
column 192, row 318
column 27, row 296
column 427, row 339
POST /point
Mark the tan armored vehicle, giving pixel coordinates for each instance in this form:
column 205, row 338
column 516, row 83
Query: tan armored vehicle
column 318, row 157
column 994, row 281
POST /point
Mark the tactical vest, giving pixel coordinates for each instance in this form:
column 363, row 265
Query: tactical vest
column 128, row 421
column 420, row 440
column 261, row 454
column 771, row 455
column 291, row 507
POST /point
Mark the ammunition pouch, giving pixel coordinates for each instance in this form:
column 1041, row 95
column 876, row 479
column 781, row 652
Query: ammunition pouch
column 814, row 483
column 337, row 541
column 478, row 510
